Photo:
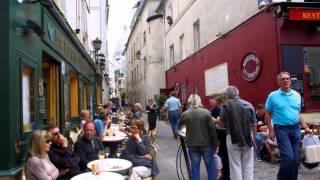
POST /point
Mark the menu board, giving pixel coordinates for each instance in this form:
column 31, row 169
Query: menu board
column 216, row 79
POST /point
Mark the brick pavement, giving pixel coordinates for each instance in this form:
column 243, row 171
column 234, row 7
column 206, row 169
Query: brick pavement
column 167, row 147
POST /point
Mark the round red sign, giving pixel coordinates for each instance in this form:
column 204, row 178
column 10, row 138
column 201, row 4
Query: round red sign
column 250, row 66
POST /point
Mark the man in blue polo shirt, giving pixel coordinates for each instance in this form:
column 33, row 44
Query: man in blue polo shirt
column 173, row 105
column 283, row 107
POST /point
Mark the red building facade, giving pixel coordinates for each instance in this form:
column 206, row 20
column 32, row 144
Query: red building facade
column 256, row 51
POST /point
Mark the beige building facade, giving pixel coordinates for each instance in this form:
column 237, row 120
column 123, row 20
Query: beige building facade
column 145, row 74
column 192, row 24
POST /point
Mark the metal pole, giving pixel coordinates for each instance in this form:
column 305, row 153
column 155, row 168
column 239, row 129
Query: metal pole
column 186, row 157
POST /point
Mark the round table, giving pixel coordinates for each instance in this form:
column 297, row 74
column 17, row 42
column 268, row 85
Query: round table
column 100, row 176
column 111, row 164
column 119, row 136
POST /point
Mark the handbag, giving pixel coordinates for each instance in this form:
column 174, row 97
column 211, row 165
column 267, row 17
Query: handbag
column 311, row 146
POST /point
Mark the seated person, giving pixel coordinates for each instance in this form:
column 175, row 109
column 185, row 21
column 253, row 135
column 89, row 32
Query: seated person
column 88, row 146
column 272, row 147
column 38, row 164
column 138, row 151
column 102, row 123
column 62, row 156
column 261, row 135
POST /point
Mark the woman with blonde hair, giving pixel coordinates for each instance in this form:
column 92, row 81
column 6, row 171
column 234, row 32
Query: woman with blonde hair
column 39, row 166
column 200, row 137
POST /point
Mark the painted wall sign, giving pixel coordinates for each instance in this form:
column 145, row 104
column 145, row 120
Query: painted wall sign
column 299, row 14
column 251, row 66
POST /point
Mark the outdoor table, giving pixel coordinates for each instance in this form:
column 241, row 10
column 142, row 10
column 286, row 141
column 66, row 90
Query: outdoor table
column 119, row 136
column 111, row 164
column 100, row 176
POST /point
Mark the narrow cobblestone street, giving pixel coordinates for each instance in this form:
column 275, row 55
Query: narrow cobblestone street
column 167, row 147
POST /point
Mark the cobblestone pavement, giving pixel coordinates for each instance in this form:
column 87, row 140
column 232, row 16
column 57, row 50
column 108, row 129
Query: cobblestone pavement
column 167, row 147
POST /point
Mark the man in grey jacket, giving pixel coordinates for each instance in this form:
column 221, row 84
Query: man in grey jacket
column 238, row 117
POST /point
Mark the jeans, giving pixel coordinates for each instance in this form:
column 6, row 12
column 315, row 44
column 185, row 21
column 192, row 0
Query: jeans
column 207, row 153
column 174, row 119
column 260, row 138
column 240, row 161
column 288, row 138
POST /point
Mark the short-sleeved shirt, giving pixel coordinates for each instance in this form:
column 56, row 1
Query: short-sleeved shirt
column 99, row 126
column 284, row 107
column 173, row 104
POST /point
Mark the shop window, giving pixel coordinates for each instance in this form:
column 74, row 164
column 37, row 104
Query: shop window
column 28, row 100
column 74, row 95
column 312, row 69
column 98, row 93
column 85, row 96
column 66, row 96
column 51, row 95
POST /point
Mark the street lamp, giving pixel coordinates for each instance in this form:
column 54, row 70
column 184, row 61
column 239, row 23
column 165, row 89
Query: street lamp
column 96, row 44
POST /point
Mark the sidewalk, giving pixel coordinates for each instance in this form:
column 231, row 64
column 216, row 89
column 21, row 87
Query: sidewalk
column 167, row 148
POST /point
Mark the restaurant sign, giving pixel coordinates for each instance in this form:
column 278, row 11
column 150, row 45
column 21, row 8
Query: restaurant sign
column 250, row 66
column 301, row 14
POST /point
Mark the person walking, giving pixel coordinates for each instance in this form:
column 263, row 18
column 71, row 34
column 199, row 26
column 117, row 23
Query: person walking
column 201, row 138
column 173, row 106
column 152, row 110
column 238, row 117
column 283, row 107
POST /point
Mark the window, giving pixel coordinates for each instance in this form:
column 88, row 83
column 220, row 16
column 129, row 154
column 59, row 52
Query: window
column 74, row 95
column 196, row 36
column 182, row 50
column 312, row 69
column 144, row 38
column 66, row 102
column 28, row 114
column 171, row 51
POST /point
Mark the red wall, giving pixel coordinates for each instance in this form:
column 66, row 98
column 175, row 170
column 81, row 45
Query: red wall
column 258, row 35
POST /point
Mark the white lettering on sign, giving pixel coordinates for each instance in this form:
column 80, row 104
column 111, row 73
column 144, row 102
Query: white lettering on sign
column 251, row 67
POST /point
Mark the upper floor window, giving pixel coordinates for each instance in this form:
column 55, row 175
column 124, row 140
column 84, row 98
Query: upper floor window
column 144, row 38
column 171, row 51
column 196, row 35
column 182, row 48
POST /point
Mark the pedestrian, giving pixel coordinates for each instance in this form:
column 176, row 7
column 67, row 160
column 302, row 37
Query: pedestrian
column 238, row 117
column 283, row 107
column 152, row 110
column 216, row 104
column 173, row 106
column 201, row 138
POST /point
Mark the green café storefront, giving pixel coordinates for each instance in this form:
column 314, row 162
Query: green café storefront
column 46, row 76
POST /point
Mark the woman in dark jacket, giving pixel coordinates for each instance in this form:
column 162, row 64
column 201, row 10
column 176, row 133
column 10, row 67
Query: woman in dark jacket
column 152, row 110
column 138, row 151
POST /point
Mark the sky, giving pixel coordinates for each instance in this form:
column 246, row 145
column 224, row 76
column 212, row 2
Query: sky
column 120, row 15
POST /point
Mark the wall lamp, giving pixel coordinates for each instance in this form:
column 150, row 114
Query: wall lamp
column 47, row 3
column 32, row 26
column 138, row 55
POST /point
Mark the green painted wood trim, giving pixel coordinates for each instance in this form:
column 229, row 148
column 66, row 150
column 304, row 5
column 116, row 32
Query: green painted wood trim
column 12, row 171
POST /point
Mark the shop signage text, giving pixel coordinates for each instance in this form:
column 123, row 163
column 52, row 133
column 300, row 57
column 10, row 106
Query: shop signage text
column 304, row 14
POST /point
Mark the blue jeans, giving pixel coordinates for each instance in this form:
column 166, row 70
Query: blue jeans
column 288, row 138
column 260, row 138
column 174, row 119
column 195, row 154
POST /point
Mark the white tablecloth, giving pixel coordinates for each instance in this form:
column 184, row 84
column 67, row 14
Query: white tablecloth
column 100, row 176
column 111, row 164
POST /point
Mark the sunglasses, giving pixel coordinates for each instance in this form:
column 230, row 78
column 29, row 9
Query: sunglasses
column 56, row 133
column 48, row 141
column 286, row 78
